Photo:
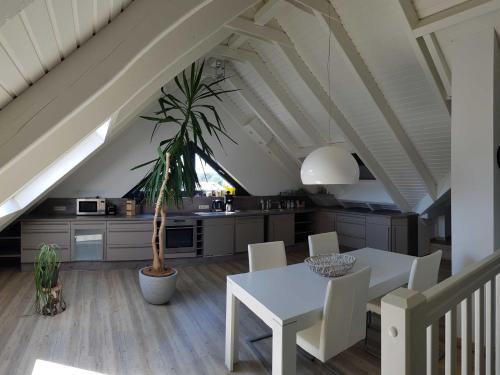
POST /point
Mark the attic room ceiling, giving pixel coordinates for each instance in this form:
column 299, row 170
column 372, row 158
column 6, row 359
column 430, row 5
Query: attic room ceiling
column 390, row 73
column 37, row 35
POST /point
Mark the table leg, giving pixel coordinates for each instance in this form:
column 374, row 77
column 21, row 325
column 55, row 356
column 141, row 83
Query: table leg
column 284, row 349
column 232, row 323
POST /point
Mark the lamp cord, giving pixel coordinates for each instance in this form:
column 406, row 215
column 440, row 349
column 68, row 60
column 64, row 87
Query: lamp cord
column 328, row 72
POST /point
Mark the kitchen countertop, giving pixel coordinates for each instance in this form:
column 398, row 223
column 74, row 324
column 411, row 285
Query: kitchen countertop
column 170, row 216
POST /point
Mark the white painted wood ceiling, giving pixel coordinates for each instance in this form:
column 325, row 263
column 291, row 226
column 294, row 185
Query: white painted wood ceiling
column 43, row 34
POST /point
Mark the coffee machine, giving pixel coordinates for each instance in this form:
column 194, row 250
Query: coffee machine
column 228, row 199
column 218, row 205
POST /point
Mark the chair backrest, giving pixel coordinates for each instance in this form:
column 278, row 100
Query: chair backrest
column 424, row 272
column 266, row 255
column 323, row 244
column 344, row 313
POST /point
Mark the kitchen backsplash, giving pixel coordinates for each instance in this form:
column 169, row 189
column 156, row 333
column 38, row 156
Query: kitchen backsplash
column 67, row 206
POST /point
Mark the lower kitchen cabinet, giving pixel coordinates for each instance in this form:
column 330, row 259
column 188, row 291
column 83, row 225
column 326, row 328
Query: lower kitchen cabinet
column 378, row 232
column 35, row 233
column 248, row 230
column 324, row 222
column 129, row 240
column 218, row 236
column 281, row 228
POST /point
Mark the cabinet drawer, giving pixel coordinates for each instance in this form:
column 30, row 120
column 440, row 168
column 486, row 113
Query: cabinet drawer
column 29, row 255
column 128, row 253
column 400, row 221
column 218, row 221
column 353, row 243
column 125, row 226
column 380, row 220
column 351, row 230
column 34, row 240
column 130, row 238
column 45, row 227
column 354, row 219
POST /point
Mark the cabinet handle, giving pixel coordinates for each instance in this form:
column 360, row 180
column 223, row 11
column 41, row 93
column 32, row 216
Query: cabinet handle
column 389, row 247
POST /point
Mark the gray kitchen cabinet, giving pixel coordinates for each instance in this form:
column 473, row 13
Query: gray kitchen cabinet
column 248, row 230
column 400, row 237
column 129, row 240
column 351, row 230
column 281, row 228
column 324, row 222
column 88, row 241
column 218, row 236
column 378, row 232
column 35, row 233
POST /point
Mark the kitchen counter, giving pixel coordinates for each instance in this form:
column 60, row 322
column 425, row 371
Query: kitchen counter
column 206, row 215
column 360, row 211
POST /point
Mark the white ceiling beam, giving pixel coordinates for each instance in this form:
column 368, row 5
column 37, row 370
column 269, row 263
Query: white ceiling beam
column 439, row 61
column 266, row 34
column 267, row 12
column 94, row 82
column 351, row 135
column 451, row 16
column 408, row 13
column 261, row 111
column 284, row 160
column 237, row 40
column 358, row 65
column 260, row 67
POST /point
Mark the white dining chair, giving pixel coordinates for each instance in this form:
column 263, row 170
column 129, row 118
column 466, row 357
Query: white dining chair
column 343, row 323
column 262, row 256
column 323, row 244
column 423, row 275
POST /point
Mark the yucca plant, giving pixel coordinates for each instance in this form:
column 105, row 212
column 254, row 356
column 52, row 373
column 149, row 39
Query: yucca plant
column 46, row 272
column 173, row 172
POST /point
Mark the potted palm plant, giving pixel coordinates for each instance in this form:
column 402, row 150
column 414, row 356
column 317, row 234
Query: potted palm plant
column 48, row 290
column 172, row 174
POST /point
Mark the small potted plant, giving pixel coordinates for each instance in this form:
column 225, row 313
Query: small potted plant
column 48, row 290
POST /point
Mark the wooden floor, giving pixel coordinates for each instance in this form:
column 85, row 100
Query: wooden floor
column 108, row 327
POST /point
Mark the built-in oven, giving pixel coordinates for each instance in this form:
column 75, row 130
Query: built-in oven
column 180, row 238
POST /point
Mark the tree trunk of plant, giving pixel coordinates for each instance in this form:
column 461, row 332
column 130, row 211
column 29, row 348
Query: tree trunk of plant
column 158, row 249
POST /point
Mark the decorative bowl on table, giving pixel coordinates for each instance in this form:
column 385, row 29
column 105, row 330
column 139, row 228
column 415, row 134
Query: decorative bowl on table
column 334, row 265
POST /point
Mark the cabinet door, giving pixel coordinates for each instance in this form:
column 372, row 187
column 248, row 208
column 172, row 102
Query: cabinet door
column 248, row 230
column 400, row 239
column 378, row 236
column 218, row 237
column 324, row 222
column 88, row 241
column 282, row 228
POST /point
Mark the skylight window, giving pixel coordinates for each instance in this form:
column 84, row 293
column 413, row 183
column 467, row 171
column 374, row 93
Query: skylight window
column 48, row 177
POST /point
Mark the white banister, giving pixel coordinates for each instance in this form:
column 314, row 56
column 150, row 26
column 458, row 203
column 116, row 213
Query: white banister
column 478, row 332
column 450, row 351
column 466, row 332
column 410, row 324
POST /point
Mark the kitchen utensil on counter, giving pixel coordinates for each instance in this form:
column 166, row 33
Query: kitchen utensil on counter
column 218, row 205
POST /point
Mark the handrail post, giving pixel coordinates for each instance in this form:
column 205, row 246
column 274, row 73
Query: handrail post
column 403, row 333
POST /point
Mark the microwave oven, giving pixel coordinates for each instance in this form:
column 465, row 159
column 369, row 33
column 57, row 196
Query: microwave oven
column 91, row 206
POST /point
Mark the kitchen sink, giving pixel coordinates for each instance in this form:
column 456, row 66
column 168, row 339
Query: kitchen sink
column 211, row 213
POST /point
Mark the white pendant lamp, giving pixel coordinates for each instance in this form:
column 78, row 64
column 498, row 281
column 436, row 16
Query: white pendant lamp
column 329, row 165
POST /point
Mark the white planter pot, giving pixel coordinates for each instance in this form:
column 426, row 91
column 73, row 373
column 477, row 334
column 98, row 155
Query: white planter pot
column 157, row 290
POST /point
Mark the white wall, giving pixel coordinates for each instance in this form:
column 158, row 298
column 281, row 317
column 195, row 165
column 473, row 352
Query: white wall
column 475, row 179
column 108, row 173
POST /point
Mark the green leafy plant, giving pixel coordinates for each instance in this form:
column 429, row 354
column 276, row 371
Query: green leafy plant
column 173, row 172
column 46, row 272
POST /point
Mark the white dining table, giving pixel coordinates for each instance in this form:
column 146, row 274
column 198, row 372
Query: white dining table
column 290, row 299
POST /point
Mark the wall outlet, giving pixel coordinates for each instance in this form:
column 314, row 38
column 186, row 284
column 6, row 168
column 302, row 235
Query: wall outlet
column 203, row 207
column 59, row 208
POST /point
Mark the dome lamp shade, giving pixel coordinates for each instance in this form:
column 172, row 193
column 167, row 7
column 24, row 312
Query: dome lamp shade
column 329, row 165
